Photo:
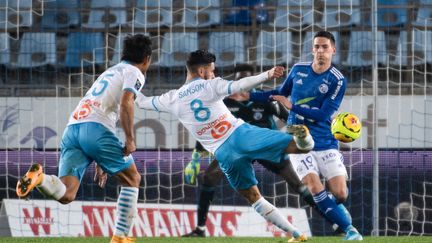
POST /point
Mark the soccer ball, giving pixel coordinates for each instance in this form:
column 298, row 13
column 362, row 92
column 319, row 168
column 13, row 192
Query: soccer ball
column 346, row 127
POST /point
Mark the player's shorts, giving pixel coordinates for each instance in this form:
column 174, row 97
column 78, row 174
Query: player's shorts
column 328, row 163
column 246, row 144
column 84, row 143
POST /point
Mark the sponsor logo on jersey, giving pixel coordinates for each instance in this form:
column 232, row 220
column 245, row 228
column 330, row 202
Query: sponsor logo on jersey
column 304, row 75
column 258, row 116
column 233, row 109
column 84, row 109
column 323, row 88
column 340, row 83
column 329, row 156
column 193, row 88
column 300, row 81
column 138, row 84
column 218, row 128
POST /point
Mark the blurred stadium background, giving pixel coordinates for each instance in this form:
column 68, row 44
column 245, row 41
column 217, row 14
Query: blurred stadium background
column 51, row 52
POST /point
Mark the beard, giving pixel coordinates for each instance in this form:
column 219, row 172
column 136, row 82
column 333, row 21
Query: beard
column 208, row 76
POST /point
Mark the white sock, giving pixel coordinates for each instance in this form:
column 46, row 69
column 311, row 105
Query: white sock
column 52, row 186
column 306, row 143
column 272, row 214
column 126, row 210
column 203, row 228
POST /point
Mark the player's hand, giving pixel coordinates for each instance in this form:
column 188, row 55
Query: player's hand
column 129, row 147
column 191, row 172
column 100, row 176
column 283, row 100
column 279, row 110
column 276, row 72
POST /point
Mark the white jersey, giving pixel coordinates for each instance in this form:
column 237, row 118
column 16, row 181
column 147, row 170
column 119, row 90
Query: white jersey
column 199, row 107
column 101, row 103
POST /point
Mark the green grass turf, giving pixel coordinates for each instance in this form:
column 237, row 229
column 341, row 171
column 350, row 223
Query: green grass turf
column 383, row 239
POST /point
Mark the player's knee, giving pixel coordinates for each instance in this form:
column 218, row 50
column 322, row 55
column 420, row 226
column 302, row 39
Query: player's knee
column 131, row 180
column 340, row 195
column 136, row 180
column 67, row 198
column 313, row 183
column 252, row 196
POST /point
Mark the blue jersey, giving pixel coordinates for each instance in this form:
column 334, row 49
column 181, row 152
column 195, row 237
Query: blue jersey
column 315, row 98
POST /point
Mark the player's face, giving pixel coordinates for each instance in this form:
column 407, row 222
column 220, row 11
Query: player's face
column 145, row 65
column 207, row 72
column 243, row 74
column 323, row 50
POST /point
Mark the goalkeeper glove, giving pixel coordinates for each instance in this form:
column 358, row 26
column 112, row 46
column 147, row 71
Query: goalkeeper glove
column 192, row 169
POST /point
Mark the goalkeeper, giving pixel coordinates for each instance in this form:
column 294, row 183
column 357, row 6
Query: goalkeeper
column 255, row 113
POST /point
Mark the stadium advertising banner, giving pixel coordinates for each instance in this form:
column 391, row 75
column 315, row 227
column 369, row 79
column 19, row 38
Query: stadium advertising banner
column 39, row 123
column 81, row 218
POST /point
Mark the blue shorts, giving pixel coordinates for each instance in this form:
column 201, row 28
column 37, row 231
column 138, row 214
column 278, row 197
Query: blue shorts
column 246, row 144
column 86, row 142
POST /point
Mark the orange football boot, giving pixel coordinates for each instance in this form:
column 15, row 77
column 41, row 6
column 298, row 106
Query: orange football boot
column 30, row 180
column 301, row 238
column 120, row 239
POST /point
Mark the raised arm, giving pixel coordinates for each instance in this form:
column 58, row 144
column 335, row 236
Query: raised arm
column 145, row 102
column 157, row 103
column 248, row 83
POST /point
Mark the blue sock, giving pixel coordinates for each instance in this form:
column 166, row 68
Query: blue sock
column 331, row 210
column 342, row 207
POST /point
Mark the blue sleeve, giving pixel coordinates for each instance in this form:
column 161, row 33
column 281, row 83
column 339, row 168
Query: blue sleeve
column 262, row 96
column 330, row 105
column 284, row 89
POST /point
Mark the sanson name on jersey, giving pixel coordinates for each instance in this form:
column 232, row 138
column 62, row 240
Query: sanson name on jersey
column 191, row 90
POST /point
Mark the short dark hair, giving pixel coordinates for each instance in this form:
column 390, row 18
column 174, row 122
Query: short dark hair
column 326, row 34
column 136, row 48
column 199, row 58
column 243, row 67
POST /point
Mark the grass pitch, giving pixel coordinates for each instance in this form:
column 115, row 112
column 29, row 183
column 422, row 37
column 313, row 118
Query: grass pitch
column 382, row 239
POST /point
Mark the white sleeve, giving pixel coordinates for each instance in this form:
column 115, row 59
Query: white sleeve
column 131, row 82
column 158, row 103
column 224, row 87
column 248, row 83
column 221, row 87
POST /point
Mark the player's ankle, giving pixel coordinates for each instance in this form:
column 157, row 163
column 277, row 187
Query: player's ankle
column 304, row 143
column 41, row 179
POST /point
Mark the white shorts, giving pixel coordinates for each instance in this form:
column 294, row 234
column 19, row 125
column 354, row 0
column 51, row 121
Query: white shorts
column 328, row 163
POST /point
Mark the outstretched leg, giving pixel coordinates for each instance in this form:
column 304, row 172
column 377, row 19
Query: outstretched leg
column 270, row 212
column 286, row 171
column 50, row 185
